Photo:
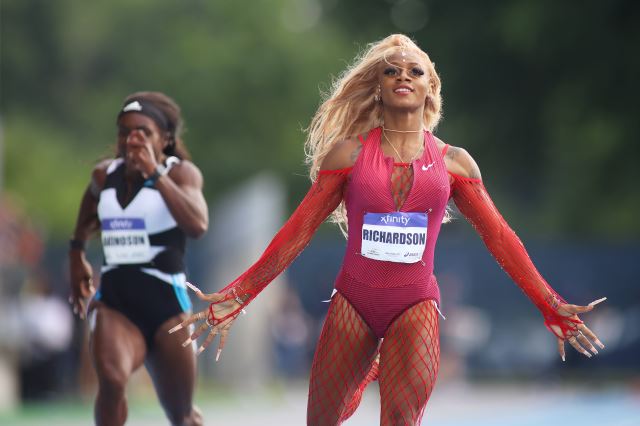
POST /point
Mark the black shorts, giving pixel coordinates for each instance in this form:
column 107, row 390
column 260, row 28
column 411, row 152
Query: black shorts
column 145, row 300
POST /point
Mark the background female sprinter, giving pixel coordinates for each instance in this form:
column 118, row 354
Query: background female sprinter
column 144, row 202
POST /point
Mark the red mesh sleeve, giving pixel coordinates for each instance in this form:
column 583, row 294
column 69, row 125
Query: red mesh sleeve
column 321, row 200
column 474, row 203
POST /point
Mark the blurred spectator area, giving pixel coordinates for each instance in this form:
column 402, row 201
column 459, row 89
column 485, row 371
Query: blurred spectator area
column 37, row 325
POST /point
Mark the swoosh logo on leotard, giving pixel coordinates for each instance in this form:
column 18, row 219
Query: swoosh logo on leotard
column 425, row 168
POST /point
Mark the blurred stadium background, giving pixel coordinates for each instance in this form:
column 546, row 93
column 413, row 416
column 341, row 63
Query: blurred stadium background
column 544, row 94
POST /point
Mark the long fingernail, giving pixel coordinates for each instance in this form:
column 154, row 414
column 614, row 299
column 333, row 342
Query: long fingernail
column 200, row 351
column 192, row 287
column 563, row 360
column 587, row 354
column 595, row 302
column 176, row 328
column 599, row 343
column 594, row 350
column 187, row 342
column 218, row 354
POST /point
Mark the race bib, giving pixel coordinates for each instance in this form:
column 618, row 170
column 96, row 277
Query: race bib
column 125, row 241
column 394, row 237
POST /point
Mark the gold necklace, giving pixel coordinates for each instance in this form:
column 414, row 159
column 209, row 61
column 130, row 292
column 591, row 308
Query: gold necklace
column 396, row 151
column 401, row 131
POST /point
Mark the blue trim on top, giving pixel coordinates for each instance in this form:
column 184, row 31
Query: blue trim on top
column 181, row 295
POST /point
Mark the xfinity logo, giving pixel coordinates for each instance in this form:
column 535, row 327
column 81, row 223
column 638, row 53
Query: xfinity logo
column 404, row 220
column 121, row 224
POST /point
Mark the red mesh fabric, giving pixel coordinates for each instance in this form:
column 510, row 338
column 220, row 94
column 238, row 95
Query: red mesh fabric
column 401, row 180
column 406, row 366
column 409, row 361
column 322, row 199
column 343, row 357
column 371, row 376
column 474, row 203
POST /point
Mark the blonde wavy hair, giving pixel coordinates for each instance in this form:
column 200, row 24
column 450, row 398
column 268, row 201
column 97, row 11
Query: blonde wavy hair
column 349, row 108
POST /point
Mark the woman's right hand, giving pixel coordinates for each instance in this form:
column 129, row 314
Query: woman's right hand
column 81, row 275
column 225, row 310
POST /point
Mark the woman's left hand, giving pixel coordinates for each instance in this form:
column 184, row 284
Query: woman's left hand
column 582, row 337
column 225, row 310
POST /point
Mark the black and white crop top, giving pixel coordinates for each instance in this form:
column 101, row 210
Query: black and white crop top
column 142, row 233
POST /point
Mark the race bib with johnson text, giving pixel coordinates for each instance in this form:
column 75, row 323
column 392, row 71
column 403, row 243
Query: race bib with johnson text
column 125, row 241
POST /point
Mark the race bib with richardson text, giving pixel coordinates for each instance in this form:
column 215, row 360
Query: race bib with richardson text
column 394, row 237
column 125, row 241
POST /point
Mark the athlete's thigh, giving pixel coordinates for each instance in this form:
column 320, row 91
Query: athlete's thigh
column 172, row 366
column 117, row 345
column 343, row 356
column 409, row 360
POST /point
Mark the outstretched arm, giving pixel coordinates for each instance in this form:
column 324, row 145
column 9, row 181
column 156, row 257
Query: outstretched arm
column 473, row 201
column 323, row 198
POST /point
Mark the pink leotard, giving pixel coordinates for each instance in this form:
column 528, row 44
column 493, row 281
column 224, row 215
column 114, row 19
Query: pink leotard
column 382, row 290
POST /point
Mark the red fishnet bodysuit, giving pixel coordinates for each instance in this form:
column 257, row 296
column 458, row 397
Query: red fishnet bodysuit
column 409, row 354
column 383, row 299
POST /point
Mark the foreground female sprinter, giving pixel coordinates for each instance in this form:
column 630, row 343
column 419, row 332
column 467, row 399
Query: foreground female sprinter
column 372, row 152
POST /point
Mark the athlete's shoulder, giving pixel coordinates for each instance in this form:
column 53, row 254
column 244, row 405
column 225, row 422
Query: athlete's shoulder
column 343, row 154
column 102, row 165
column 101, row 169
column 460, row 162
column 99, row 176
column 186, row 172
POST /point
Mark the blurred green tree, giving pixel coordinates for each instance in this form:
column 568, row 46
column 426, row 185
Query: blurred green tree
column 542, row 93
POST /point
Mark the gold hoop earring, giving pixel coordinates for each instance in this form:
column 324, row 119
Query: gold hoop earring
column 377, row 97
